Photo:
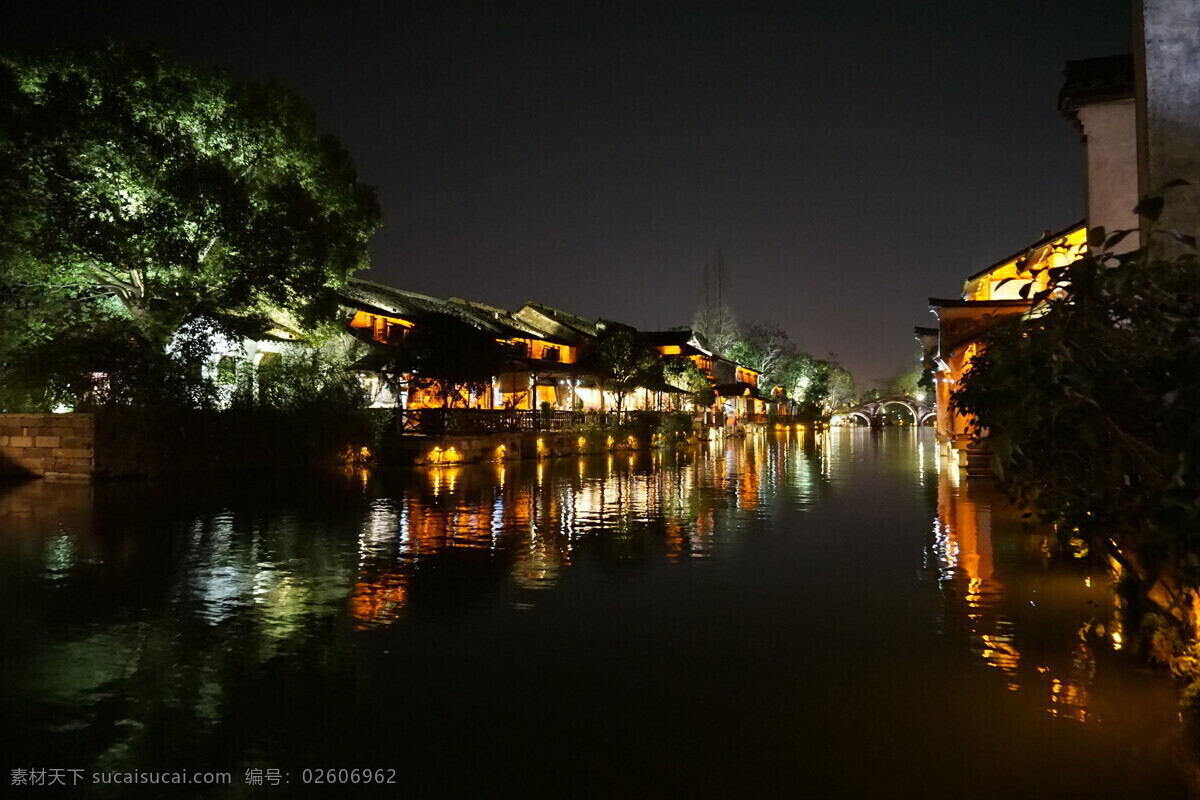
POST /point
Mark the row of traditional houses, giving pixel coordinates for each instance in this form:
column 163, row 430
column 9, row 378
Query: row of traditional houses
column 543, row 357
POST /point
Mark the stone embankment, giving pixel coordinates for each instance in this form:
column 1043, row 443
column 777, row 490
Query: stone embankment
column 48, row 445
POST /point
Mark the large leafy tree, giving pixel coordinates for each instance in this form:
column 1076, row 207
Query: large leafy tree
column 829, row 386
column 624, row 354
column 766, row 348
column 914, row 380
column 450, row 358
column 161, row 193
column 819, row 385
column 682, row 373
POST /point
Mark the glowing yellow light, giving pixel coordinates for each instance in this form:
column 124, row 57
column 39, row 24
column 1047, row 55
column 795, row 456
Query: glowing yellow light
column 365, row 452
column 582, row 441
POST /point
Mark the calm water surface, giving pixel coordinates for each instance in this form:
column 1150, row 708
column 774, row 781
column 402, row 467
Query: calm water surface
column 783, row 616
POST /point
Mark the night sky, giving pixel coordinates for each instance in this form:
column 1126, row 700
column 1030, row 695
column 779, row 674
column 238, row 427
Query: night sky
column 850, row 159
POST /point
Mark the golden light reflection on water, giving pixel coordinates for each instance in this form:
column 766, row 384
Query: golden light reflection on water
column 528, row 521
column 246, row 585
column 674, row 502
column 1046, row 592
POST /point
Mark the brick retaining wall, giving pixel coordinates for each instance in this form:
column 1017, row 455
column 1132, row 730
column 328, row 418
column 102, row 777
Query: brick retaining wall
column 48, row 445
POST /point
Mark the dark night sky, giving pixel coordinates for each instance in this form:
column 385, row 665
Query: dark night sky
column 851, row 159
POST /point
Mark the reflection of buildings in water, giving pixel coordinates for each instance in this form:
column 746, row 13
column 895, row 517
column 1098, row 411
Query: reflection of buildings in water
column 921, row 462
column 700, row 545
column 265, row 569
column 539, row 560
column 747, row 471
column 536, row 522
column 963, row 552
column 380, row 530
column 803, row 470
column 32, row 507
column 1070, row 696
column 822, row 442
column 542, row 547
column 378, row 601
column 962, row 548
column 1116, row 622
column 60, row 554
column 444, row 479
column 217, row 578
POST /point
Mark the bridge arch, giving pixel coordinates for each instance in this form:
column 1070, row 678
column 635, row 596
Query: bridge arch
column 872, row 410
column 862, row 415
column 895, row 401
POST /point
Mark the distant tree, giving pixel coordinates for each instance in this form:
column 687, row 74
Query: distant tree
column 834, row 386
column 135, row 187
column 819, row 385
column 714, row 320
column 624, row 354
column 767, row 349
column 914, row 380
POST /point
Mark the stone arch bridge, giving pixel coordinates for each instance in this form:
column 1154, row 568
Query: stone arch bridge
column 872, row 411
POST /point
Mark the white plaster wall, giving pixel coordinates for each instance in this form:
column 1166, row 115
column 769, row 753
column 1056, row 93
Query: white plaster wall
column 1110, row 131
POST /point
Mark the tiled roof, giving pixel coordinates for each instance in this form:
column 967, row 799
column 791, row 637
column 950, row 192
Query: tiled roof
column 509, row 325
column 389, row 300
column 565, row 318
column 1046, row 241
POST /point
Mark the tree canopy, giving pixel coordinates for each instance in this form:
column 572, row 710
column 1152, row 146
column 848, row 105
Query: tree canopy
column 450, row 358
column 820, row 385
column 914, row 380
column 624, row 354
column 682, row 373
column 170, row 192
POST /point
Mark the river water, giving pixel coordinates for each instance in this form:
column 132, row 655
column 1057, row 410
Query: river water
column 789, row 615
